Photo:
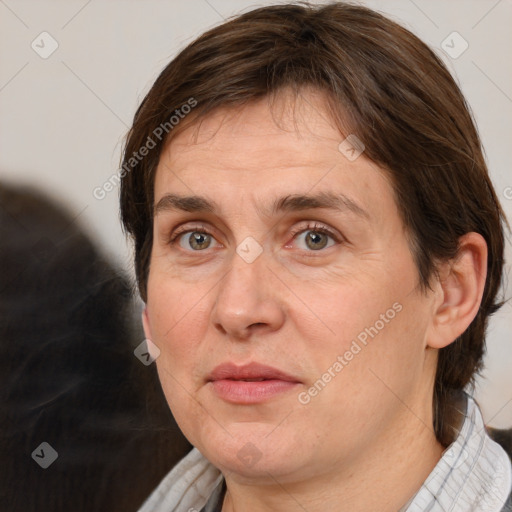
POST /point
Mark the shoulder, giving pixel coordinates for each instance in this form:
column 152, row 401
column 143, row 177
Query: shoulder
column 189, row 484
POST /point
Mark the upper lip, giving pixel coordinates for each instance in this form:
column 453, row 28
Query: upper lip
column 252, row 370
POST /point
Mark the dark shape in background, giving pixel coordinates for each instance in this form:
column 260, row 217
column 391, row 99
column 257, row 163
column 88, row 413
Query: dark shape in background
column 68, row 375
column 502, row 437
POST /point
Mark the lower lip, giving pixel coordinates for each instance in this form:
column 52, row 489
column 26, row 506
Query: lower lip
column 243, row 392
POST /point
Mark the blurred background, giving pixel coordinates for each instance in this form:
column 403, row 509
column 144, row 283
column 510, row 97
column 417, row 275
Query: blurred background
column 73, row 72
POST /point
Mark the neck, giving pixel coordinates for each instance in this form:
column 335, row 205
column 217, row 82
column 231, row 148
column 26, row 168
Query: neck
column 383, row 478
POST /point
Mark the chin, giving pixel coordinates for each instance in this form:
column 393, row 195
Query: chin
column 253, row 456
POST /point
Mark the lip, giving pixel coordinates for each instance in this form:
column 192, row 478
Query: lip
column 228, row 382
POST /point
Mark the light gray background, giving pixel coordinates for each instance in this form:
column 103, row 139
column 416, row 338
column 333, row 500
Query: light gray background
column 63, row 119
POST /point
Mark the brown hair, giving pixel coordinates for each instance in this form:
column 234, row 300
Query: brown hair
column 384, row 85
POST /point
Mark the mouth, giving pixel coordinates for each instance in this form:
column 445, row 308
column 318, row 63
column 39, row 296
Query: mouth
column 249, row 384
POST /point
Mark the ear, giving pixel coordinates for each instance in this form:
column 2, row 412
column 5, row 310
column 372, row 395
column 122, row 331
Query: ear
column 146, row 325
column 459, row 291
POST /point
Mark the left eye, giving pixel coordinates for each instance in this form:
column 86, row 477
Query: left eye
column 314, row 240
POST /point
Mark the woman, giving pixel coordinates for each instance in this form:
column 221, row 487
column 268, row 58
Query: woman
column 319, row 248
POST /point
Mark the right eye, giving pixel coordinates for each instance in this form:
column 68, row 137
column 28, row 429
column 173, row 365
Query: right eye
column 194, row 240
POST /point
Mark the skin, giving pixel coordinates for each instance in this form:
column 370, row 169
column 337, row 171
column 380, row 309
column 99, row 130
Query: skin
column 365, row 441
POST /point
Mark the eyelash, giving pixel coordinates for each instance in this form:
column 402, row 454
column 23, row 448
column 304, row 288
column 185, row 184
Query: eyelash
column 317, row 228
column 196, row 229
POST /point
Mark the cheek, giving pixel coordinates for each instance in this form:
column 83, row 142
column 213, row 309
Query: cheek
column 340, row 312
column 372, row 322
column 178, row 324
column 170, row 302
column 177, row 389
column 178, row 316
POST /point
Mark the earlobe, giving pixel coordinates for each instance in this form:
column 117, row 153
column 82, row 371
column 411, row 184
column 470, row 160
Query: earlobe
column 145, row 324
column 461, row 287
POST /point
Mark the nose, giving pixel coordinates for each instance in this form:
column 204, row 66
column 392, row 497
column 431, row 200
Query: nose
column 248, row 300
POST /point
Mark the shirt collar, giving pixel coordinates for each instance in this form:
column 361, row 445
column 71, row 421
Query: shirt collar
column 473, row 474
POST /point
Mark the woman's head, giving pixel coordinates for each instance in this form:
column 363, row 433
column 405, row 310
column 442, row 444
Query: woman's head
column 239, row 136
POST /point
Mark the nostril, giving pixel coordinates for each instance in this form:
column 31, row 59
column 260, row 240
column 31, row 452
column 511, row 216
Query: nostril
column 220, row 328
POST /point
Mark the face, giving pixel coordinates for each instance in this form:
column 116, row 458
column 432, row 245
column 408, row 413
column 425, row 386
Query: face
column 283, row 295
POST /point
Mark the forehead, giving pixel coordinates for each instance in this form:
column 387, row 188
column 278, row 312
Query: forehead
column 295, row 123
column 290, row 146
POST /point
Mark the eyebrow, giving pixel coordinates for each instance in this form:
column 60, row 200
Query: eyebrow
column 290, row 203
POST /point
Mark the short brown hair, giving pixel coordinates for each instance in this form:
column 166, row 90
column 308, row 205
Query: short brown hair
column 385, row 86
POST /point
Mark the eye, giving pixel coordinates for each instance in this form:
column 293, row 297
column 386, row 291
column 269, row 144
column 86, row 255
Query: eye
column 195, row 240
column 315, row 238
